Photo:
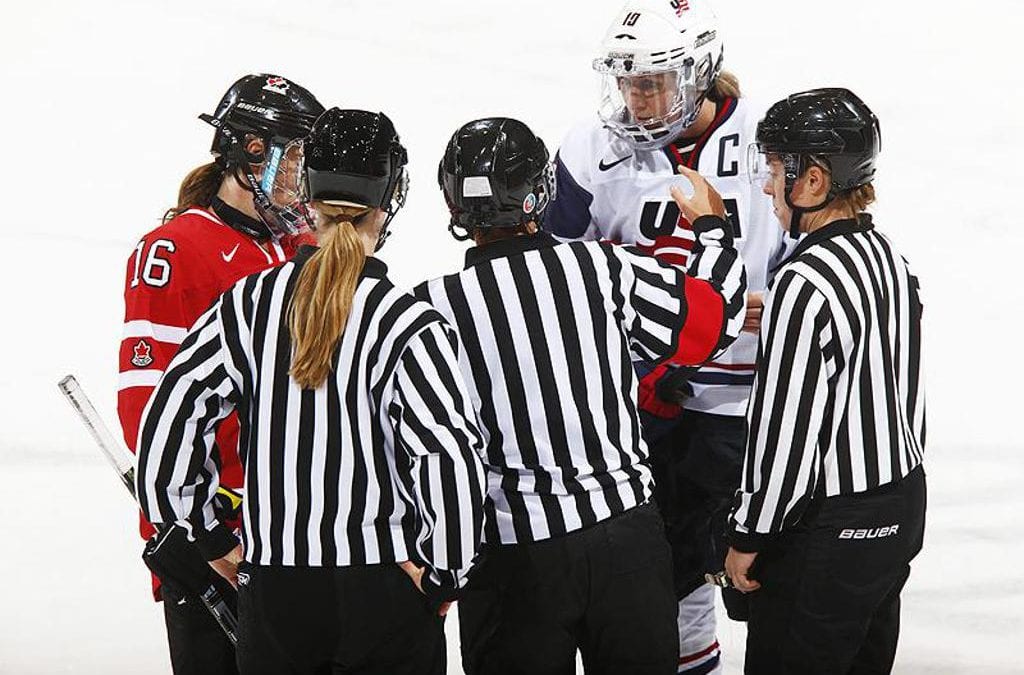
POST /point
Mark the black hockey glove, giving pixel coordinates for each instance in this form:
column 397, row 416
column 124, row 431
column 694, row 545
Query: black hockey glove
column 674, row 386
column 177, row 562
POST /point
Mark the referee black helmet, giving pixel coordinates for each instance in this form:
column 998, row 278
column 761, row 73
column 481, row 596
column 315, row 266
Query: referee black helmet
column 356, row 157
column 495, row 173
column 831, row 128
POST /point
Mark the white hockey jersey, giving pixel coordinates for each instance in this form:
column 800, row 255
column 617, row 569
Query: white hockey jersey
column 605, row 190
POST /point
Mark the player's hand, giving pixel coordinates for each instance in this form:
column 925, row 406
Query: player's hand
column 752, row 319
column 737, row 567
column 705, row 200
column 227, row 566
column 416, row 574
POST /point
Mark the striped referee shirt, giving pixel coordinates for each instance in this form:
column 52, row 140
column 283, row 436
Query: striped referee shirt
column 379, row 464
column 550, row 333
column 838, row 403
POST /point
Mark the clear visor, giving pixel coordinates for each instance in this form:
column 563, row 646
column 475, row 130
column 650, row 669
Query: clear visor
column 649, row 109
column 759, row 169
column 281, row 177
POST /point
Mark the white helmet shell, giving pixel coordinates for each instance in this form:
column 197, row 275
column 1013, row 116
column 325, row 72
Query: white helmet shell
column 650, row 37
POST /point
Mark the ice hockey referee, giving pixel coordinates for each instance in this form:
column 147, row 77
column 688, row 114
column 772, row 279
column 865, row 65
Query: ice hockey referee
column 831, row 508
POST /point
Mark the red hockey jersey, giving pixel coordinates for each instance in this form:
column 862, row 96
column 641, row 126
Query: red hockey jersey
column 172, row 277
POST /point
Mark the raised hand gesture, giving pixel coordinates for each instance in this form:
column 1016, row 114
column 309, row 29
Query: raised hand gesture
column 705, row 201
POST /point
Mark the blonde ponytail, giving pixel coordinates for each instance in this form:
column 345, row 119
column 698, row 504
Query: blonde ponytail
column 322, row 299
column 726, row 86
column 198, row 189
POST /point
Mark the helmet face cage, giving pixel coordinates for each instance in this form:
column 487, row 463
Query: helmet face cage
column 546, row 192
column 622, row 91
column 648, row 40
column 273, row 177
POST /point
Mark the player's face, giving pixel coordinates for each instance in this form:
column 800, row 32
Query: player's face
column 649, row 96
column 775, row 187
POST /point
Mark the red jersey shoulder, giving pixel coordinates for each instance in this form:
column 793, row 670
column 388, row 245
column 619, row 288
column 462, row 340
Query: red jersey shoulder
column 199, row 256
column 183, row 253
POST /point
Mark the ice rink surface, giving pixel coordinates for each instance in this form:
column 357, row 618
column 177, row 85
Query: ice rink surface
column 98, row 114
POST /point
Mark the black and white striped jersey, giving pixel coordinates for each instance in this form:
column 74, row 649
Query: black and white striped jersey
column 550, row 333
column 379, row 464
column 838, row 401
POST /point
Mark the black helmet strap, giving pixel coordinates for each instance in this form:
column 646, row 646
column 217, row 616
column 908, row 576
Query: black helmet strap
column 795, row 166
column 454, row 227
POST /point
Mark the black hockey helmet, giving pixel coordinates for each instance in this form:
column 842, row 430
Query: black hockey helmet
column 832, row 128
column 356, row 157
column 277, row 111
column 267, row 106
column 495, row 173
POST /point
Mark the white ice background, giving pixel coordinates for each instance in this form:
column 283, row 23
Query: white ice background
column 98, row 105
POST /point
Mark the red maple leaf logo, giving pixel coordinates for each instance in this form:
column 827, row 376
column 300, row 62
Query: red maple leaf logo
column 276, row 84
column 142, row 354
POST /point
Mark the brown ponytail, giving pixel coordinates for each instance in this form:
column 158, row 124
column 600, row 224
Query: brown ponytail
column 726, row 86
column 323, row 294
column 198, row 189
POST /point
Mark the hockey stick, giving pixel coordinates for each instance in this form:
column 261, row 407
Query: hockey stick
column 123, row 463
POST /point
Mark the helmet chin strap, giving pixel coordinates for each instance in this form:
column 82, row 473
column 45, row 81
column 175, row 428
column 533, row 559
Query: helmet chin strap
column 454, row 227
column 384, row 233
column 799, row 211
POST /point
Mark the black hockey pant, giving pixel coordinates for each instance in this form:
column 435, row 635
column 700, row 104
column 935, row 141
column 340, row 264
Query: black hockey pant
column 605, row 590
column 697, row 465
column 197, row 642
column 829, row 602
column 360, row 620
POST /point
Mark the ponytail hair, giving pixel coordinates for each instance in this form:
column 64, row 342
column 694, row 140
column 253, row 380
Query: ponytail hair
column 322, row 299
column 198, row 189
column 726, row 85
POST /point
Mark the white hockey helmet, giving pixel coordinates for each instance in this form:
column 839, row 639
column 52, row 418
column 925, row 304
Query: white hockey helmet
column 657, row 62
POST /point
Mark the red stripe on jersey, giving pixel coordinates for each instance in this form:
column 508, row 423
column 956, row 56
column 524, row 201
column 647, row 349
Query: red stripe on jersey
column 699, row 655
column 724, row 112
column 667, row 249
column 703, row 327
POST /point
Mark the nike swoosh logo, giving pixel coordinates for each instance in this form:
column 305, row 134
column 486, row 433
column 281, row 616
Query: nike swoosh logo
column 604, row 167
column 228, row 256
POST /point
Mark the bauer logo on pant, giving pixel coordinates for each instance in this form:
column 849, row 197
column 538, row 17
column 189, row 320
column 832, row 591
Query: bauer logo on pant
column 870, row 533
column 141, row 357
